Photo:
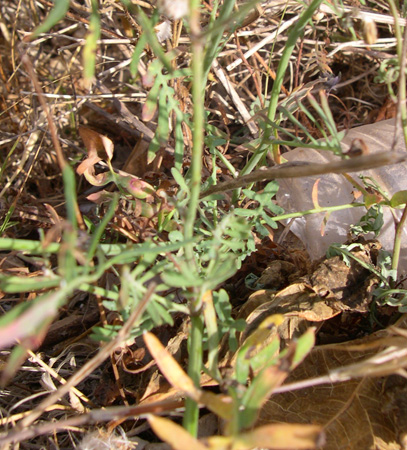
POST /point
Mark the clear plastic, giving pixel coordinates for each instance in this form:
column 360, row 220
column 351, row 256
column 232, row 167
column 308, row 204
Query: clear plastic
column 295, row 193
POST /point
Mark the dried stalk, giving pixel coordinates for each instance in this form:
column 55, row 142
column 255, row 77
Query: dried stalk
column 305, row 169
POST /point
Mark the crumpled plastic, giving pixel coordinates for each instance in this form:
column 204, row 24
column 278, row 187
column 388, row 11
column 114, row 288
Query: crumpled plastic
column 296, row 194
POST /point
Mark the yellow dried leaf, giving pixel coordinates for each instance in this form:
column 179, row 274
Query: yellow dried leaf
column 170, row 368
column 174, row 434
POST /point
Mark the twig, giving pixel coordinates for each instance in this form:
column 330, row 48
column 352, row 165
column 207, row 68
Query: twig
column 95, row 416
column 304, row 169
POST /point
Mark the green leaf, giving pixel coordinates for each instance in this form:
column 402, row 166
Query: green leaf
column 16, row 284
column 135, row 57
column 183, row 279
column 305, row 343
column 89, row 51
column 180, row 180
column 57, row 13
column 270, row 222
column 399, row 198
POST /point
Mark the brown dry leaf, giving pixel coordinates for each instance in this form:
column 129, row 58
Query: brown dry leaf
column 219, row 404
column 170, row 368
column 332, row 288
column 347, row 288
column 299, row 305
column 354, row 414
column 99, row 148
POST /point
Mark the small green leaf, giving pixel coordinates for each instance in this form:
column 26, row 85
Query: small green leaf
column 399, row 198
column 305, row 343
column 135, row 57
column 180, row 180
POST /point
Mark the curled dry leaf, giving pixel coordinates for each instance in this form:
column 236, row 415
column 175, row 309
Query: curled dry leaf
column 100, row 148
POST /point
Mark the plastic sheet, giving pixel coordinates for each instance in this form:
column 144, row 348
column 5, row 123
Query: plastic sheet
column 295, row 194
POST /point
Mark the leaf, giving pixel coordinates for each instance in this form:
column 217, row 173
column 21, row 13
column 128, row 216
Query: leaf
column 99, row 148
column 150, row 106
column 135, row 58
column 399, row 198
column 185, row 277
column 174, row 435
column 219, row 404
column 180, row 180
column 30, row 321
column 258, row 393
column 305, row 343
column 359, row 406
column 314, row 194
column 170, row 368
column 89, row 51
column 57, row 13
column 274, row 437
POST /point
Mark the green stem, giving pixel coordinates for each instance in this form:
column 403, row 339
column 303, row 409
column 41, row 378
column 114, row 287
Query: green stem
column 316, row 211
column 198, row 124
column 397, row 240
column 295, row 33
column 397, row 29
column 402, row 86
column 191, row 416
column 213, row 46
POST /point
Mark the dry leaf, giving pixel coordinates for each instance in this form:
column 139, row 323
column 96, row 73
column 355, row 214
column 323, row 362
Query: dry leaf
column 170, row 368
column 354, row 414
column 174, row 434
column 99, row 148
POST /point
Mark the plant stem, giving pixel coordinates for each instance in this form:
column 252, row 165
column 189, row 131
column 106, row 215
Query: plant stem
column 397, row 29
column 316, row 211
column 191, row 416
column 198, row 83
column 295, row 33
column 304, row 169
column 402, row 106
column 397, row 240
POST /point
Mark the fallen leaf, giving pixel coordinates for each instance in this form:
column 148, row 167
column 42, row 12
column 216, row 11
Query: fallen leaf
column 100, row 148
column 352, row 413
column 174, row 434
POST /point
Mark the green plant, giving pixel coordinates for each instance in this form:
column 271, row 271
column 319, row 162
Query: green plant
column 200, row 238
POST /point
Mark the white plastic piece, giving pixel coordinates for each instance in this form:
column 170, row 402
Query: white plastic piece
column 295, row 194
